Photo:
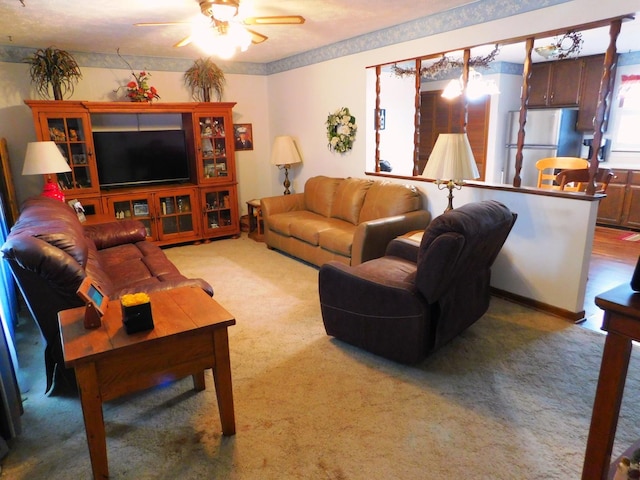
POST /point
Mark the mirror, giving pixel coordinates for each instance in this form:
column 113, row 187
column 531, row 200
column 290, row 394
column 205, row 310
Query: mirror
column 488, row 121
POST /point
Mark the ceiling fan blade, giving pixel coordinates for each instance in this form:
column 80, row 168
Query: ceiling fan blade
column 275, row 20
column 256, row 37
column 159, row 24
column 185, row 41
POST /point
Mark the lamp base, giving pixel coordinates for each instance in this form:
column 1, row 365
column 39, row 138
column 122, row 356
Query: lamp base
column 286, row 183
column 52, row 190
column 450, row 187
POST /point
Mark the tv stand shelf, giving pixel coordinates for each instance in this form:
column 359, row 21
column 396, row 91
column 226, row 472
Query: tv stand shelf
column 204, row 207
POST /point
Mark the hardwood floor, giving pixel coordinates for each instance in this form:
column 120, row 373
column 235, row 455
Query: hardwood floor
column 613, row 260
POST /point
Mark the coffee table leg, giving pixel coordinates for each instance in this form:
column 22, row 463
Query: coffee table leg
column 222, row 381
column 93, row 420
column 198, row 381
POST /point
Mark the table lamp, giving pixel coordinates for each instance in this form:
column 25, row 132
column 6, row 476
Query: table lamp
column 44, row 158
column 450, row 163
column 284, row 154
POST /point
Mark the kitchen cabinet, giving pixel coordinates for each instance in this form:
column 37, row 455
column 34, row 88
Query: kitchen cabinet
column 570, row 83
column 631, row 209
column 555, row 84
column 621, row 207
column 171, row 211
column 589, row 90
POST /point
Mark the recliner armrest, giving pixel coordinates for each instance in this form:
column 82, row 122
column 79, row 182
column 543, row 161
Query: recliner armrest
column 403, row 248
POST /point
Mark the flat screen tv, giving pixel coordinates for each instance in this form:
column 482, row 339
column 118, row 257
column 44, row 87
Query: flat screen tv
column 141, row 157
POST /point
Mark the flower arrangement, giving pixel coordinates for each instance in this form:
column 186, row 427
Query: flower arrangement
column 341, row 130
column 133, row 299
column 138, row 90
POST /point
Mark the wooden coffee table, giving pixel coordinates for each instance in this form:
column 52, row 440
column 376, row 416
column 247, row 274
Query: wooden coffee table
column 189, row 336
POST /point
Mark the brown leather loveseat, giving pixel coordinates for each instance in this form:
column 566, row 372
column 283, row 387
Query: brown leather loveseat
column 50, row 252
column 350, row 220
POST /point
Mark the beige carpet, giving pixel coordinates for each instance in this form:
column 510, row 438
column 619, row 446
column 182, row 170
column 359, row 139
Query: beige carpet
column 509, row 399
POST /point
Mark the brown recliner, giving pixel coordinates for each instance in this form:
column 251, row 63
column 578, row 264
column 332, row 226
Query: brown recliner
column 415, row 299
column 50, row 252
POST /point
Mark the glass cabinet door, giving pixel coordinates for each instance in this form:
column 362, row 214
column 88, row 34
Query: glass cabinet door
column 70, row 135
column 217, row 209
column 176, row 214
column 213, row 147
column 134, row 209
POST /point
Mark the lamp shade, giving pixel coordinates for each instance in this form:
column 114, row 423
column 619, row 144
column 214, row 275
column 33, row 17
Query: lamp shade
column 43, row 158
column 284, row 151
column 451, row 159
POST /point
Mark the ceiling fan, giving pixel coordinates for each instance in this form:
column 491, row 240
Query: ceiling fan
column 224, row 21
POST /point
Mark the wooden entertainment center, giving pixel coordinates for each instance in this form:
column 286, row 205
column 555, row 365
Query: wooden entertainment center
column 204, row 206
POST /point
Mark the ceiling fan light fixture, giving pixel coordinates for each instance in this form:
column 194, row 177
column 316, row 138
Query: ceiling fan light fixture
column 221, row 10
column 223, row 41
column 548, row 51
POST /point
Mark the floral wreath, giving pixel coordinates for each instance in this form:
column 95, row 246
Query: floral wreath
column 341, row 130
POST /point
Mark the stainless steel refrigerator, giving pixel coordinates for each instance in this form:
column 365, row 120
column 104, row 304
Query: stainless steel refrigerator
column 549, row 132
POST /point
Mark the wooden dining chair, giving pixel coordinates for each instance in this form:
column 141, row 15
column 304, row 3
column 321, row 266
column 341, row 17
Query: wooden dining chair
column 579, row 179
column 548, row 168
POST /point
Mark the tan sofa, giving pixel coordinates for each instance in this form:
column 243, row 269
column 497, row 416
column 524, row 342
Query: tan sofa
column 350, row 220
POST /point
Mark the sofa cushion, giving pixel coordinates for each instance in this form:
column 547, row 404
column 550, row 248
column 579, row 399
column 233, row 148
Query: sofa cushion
column 387, row 199
column 349, row 198
column 338, row 239
column 94, row 270
column 282, row 222
column 319, row 193
column 308, row 229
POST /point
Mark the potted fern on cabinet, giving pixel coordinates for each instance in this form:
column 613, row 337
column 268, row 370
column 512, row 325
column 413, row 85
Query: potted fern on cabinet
column 205, row 78
column 55, row 67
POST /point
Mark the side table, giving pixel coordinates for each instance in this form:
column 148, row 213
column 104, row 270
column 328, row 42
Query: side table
column 189, row 337
column 255, row 220
column 621, row 307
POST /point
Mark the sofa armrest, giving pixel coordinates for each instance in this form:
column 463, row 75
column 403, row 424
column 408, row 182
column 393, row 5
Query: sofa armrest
column 371, row 238
column 281, row 203
column 114, row 233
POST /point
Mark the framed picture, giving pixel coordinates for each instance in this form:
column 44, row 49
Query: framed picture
column 91, row 293
column 77, row 206
column 243, row 135
column 140, row 209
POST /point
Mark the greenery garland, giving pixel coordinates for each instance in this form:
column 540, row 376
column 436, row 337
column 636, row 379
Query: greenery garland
column 341, row 130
